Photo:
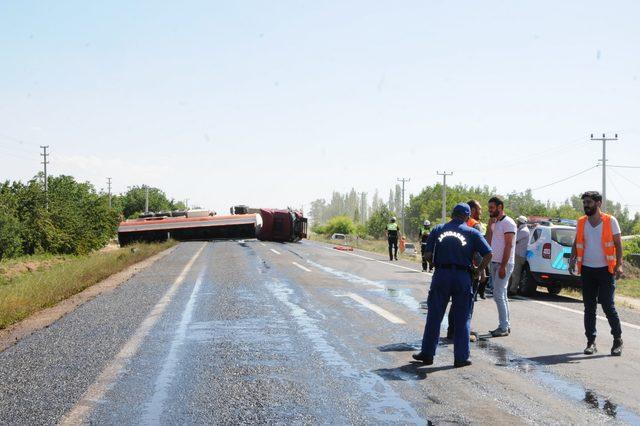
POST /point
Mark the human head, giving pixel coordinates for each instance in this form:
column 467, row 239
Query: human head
column 461, row 212
column 522, row 220
column 476, row 209
column 496, row 207
column 427, row 224
column 591, row 202
column 393, row 218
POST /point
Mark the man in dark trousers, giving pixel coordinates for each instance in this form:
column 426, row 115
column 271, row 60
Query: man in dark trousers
column 424, row 236
column 597, row 255
column 393, row 235
column 451, row 247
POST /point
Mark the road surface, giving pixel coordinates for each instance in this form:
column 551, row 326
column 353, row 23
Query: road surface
column 229, row 332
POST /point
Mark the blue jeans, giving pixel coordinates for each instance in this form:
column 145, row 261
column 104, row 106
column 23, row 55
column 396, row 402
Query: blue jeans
column 598, row 285
column 500, row 286
column 454, row 284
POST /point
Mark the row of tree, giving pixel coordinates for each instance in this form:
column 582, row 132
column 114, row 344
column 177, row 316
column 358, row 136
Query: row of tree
column 70, row 218
column 427, row 205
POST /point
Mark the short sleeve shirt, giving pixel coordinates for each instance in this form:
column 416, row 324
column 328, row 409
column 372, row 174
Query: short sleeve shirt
column 503, row 226
column 522, row 241
column 454, row 243
column 593, row 254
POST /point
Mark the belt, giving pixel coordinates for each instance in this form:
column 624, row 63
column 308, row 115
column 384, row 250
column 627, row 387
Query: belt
column 453, row 266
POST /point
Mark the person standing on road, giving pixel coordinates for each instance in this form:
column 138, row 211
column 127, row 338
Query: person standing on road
column 597, row 255
column 424, row 231
column 502, row 231
column 522, row 241
column 451, row 247
column 474, row 223
column 393, row 234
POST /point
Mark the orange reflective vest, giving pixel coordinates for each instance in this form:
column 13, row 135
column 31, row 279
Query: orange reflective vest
column 608, row 247
column 472, row 222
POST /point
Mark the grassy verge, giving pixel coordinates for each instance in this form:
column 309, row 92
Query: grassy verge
column 375, row 246
column 58, row 278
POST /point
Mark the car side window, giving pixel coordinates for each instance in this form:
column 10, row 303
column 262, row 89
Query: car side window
column 535, row 236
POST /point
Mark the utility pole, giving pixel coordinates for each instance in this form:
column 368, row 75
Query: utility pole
column 444, row 194
column 403, row 180
column 146, row 199
column 46, row 181
column 109, row 189
column 604, row 139
column 186, row 203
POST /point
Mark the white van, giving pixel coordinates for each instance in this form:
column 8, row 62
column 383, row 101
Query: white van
column 548, row 255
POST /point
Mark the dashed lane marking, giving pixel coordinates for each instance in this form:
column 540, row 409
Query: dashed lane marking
column 301, row 267
column 375, row 260
column 263, row 244
column 275, row 251
column 377, row 309
column 98, row 389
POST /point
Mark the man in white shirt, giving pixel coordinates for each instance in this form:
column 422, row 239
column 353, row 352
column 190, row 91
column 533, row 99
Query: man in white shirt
column 522, row 241
column 597, row 255
column 501, row 233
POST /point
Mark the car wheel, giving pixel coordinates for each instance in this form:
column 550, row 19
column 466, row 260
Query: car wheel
column 555, row 290
column 528, row 285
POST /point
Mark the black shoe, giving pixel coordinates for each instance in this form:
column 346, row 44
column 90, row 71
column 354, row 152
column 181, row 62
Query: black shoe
column 616, row 350
column 459, row 364
column 498, row 332
column 396, row 257
column 591, row 348
column 426, row 360
column 482, row 296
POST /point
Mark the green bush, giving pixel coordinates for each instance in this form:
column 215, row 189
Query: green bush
column 10, row 240
column 340, row 225
column 377, row 223
column 361, row 230
column 631, row 247
column 318, row 229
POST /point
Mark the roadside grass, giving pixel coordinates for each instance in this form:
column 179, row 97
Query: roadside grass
column 34, row 289
column 376, row 246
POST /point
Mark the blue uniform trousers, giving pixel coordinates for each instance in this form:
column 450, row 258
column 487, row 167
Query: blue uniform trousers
column 454, row 284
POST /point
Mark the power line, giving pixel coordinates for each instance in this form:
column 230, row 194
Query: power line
column 625, row 167
column 625, row 178
column 565, row 179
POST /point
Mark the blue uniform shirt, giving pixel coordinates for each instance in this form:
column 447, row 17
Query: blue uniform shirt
column 454, row 243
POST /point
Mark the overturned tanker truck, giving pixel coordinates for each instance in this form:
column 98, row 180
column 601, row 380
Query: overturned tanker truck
column 264, row 224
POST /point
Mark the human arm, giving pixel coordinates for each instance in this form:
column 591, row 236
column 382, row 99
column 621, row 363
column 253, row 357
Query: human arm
column 508, row 246
column 574, row 256
column 617, row 241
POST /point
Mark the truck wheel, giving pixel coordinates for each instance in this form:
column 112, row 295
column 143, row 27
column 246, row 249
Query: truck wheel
column 528, row 285
column 555, row 290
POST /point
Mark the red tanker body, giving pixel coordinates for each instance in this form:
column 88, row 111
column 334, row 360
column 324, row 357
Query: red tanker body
column 281, row 225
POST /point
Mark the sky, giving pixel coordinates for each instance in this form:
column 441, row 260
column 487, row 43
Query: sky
column 276, row 104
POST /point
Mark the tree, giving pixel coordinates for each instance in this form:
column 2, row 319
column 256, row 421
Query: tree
column 340, row 225
column 10, row 240
column 133, row 201
column 377, row 223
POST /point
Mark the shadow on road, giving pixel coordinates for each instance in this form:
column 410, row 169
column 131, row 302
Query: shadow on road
column 568, row 358
column 411, row 371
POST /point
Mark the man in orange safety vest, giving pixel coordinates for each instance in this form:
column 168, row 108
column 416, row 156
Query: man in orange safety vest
column 597, row 256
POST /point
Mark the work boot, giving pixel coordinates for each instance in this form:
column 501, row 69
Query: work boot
column 459, row 364
column 591, row 348
column 426, row 360
column 396, row 257
column 498, row 332
column 473, row 337
column 616, row 350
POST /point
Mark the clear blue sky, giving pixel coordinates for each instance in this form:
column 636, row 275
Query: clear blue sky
column 278, row 103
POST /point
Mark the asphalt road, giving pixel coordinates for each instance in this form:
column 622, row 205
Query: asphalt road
column 230, row 332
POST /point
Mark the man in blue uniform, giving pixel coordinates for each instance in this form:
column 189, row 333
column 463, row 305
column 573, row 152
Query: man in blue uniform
column 450, row 248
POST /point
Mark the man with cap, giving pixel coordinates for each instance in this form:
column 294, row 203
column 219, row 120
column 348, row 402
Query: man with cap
column 450, row 248
column 522, row 241
column 424, row 236
column 393, row 235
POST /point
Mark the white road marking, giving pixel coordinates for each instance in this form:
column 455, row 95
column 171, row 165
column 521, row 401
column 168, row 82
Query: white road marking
column 301, row 267
column 562, row 308
column 263, row 244
column 377, row 309
column 275, row 251
column 154, row 408
column 98, row 389
column 376, row 260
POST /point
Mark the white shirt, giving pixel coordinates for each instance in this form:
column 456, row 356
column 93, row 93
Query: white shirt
column 503, row 226
column 593, row 254
column 522, row 240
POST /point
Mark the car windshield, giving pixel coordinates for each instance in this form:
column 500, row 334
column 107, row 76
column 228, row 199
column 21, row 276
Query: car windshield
column 564, row 237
